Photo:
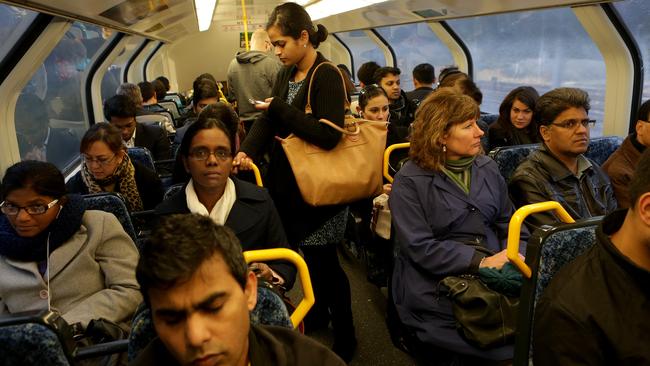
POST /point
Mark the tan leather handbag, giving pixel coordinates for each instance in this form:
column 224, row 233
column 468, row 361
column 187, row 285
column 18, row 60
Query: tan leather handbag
column 349, row 172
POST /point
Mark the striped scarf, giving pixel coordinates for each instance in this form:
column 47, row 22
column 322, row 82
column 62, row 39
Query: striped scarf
column 460, row 172
column 124, row 179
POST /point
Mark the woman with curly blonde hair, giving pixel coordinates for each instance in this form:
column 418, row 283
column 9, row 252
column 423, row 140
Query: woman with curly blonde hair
column 450, row 208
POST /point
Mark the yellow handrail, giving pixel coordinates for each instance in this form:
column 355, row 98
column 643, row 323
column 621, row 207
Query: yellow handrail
column 258, row 176
column 387, row 152
column 514, row 230
column 289, row 255
column 245, row 21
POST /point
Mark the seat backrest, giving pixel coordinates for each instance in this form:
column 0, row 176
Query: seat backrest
column 152, row 119
column 549, row 249
column 172, row 190
column 172, row 107
column 600, row 148
column 143, row 156
column 269, row 310
column 35, row 338
column 508, row 158
column 113, row 203
column 174, row 97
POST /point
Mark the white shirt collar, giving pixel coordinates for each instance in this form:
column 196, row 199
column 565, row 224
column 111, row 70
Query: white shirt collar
column 221, row 209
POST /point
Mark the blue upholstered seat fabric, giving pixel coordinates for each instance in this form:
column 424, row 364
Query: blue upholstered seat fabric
column 30, row 344
column 172, row 190
column 269, row 310
column 142, row 156
column 600, row 148
column 113, row 203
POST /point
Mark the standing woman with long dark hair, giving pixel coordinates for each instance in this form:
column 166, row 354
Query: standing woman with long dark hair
column 315, row 230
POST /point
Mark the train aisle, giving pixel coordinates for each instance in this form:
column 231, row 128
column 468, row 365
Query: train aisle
column 368, row 307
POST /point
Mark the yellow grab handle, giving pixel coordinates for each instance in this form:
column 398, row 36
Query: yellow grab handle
column 258, row 176
column 514, row 230
column 307, row 301
column 387, row 152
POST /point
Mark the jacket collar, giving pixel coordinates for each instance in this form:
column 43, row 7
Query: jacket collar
column 441, row 181
column 557, row 170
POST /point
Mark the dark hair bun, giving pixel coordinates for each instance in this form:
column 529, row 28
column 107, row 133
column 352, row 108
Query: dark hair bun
column 321, row 33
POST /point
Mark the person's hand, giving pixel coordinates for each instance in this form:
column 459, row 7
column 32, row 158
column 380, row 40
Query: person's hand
column 496, row 261
column 387, row 188
column 241, row 162
column 264, row 106
column 262, row 270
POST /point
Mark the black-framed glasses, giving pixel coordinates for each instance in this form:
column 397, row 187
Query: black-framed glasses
column 570, row 124
column 204, row 154
column 12, row 210
column 101, row 161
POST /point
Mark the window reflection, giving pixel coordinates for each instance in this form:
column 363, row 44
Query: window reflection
column 415, row 44
column 635, row 15
column 13, row 23
column 363, row 48
column 545, row 49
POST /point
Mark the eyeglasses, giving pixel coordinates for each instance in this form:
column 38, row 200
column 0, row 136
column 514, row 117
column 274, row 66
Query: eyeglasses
column 102, row 162
column 204, row 154
column 570, row 124
column 11, row 210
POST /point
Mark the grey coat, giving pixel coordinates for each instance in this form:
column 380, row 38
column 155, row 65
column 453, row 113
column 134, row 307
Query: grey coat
column 92, row 275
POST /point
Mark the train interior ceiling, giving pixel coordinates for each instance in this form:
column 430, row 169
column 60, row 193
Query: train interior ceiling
column 73, row 54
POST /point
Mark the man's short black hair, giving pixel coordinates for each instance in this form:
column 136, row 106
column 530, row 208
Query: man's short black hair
column 206, row 88
column 161, row 92
column 119, row 106
column 424, row 73
column 366, row 73
column 640, row 183
column 147, row 90
column 179, row 245
column 644, row 111
column 553, row 103
column 382, row 72
column 165, row 82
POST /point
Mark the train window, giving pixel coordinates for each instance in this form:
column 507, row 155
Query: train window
column 113, row 76
column 545, row 49
column 362, row 47
column 49, row 115
column 13, row 22
column 635, row 14
column 415, row 44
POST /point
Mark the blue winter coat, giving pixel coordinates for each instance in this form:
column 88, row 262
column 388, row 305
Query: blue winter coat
column 433, row 219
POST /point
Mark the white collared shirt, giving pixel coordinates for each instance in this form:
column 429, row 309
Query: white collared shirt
column 220, row 211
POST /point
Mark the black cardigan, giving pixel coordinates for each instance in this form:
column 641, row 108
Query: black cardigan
column 147, row 181
column 281, row 119
column 253, row 219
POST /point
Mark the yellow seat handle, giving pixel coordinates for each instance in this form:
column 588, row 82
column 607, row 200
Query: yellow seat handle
column 387, row 152
column 258, row 176
column 265, row 255
column 514, row 230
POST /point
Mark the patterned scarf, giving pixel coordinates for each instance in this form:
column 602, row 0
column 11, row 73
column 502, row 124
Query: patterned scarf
column 34, row 249
column 460, row 172
column 124, row 179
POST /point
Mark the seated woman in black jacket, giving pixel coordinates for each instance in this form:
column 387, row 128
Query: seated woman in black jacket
column 206, row 154
column 516, row 124
column 107, row 168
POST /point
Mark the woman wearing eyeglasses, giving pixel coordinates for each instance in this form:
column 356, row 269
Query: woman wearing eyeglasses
column 55, row 253
column 107, row 168
column 206, row 155
column 516, row 123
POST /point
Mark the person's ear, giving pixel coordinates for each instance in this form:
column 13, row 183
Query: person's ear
column 250, row 290
column 304, row 38
column 642, row 208
column 545, row 132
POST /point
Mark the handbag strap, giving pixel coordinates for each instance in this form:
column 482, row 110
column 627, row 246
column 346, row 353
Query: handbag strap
column 346, row 103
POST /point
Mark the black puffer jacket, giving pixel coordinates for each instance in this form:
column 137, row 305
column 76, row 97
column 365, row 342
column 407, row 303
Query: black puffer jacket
column 542, row 177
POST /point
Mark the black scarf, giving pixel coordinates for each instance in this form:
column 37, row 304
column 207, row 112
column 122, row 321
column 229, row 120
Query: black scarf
column 34, row 249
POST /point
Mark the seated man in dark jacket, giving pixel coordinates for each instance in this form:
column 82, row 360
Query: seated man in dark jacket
column 558, row 170
column 622, row 162
column 402, row 110
column 595, row 310
column 193, row 276
column 120, row 112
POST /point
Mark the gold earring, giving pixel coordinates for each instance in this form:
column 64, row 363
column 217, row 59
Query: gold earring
column 304, row 45
column 444, row 148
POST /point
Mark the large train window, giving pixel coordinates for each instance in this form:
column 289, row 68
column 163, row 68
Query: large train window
column 13, row 22
column 362, row 47
column 545, row 49
column 415, row 44
column 635, row 15
column 113, row 76
column 49, row 115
